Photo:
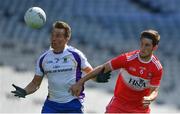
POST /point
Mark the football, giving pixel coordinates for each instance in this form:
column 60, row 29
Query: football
column 35, row 17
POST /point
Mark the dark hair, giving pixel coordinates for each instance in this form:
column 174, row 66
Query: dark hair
column 151, row 34
column 63, row 25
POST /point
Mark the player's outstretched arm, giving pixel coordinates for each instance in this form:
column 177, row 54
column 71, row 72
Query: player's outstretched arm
column 105, row 68
column 153, row 95
column 30, row 88
column 87, row 70
column 76, row 88
column 102, row 77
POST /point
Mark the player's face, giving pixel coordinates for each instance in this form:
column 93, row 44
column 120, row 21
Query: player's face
column 146, row 48
column 58, row 39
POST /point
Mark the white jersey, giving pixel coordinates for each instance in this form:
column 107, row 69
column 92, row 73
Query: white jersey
column 62, row 70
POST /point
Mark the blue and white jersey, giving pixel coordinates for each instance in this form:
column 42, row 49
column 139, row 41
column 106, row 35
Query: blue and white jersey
column 62, row 70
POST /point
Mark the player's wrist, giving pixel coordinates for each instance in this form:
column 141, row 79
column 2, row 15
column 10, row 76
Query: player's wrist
column 149, row 98
column 25, row 91
column 80, row 82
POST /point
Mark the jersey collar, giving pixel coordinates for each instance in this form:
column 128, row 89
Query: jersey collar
column 139, row 58
column 64, row 52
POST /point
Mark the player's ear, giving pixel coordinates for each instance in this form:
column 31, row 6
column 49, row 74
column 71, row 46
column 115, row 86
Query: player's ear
column 67, row 39
column 155, row 47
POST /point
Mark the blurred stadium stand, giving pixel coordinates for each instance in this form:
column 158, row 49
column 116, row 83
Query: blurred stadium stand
column 106, row 27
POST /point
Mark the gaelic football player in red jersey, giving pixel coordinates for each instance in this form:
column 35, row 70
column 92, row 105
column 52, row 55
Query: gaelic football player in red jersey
column 139, row 77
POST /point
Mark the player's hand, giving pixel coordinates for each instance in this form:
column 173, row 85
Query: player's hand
column 103, row 77
column 19, row 92
column 147, row 101
column 76, row 89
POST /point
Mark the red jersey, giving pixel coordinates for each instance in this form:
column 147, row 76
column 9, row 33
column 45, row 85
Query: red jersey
column 135, row 78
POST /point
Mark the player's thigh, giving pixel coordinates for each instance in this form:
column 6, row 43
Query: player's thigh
column 48, row 108
column 75, row 106
column 112, row 109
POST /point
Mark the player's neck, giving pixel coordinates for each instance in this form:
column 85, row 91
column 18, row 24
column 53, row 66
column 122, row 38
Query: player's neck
column 59, row 50
column 145, row 59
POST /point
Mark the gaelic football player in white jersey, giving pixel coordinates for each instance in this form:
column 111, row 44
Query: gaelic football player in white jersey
column 63, row 66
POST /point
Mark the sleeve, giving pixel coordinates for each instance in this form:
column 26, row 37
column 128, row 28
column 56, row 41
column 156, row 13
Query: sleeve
column 84, row 61
column 156, row 79
column 39, row 66
column 118, row 62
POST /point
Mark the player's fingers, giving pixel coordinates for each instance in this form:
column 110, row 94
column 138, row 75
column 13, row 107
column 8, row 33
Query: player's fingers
column 13, row 91
column 146, row 102
column 108, row 73
column 14, row 86
column 146, row 105
column 108, row 77
column 69, row 90
column 16, row 95
column 78, row 92
column 104, row 81
column 147, row 98
column 72, row 91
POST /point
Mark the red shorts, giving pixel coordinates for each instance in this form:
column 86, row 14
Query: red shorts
column 117, row 107
column 111, row 109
